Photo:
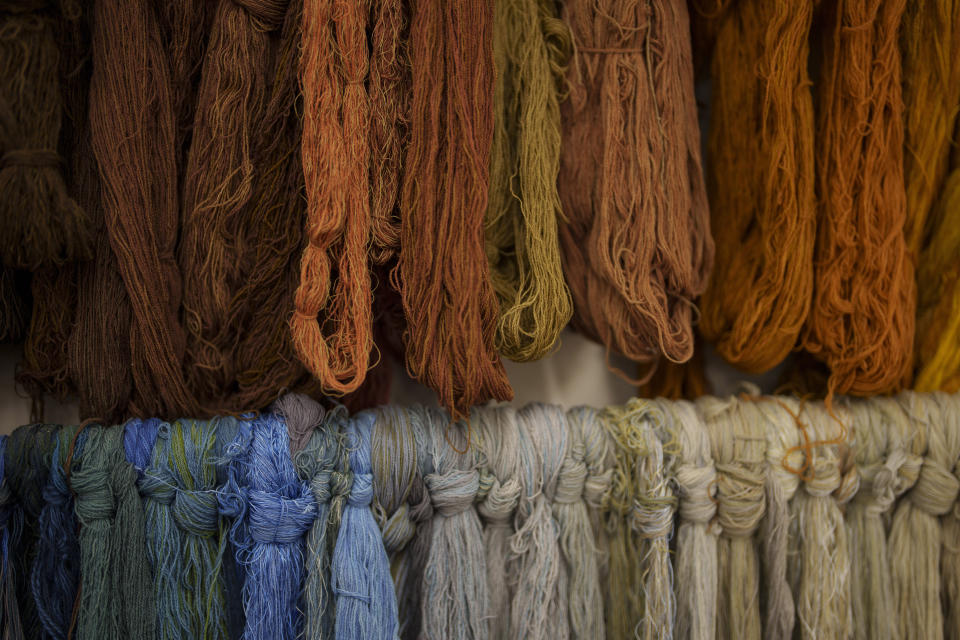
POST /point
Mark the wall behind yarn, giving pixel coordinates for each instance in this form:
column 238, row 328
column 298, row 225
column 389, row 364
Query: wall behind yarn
column 574, row 374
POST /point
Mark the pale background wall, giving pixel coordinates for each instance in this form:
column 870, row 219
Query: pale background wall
column 575, row 374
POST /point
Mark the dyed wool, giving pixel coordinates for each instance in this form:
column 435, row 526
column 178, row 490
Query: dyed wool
column 531, row 46
column 334, row 271
column 40, row 223
column 539, row 607
column 448, row 298
column 454, row 601
column 696, row 548
column 916, row 538
column 132, row 134
column 269, row 528
column 366, row 606
column 950, row 523
column 738, row 443
column 498, row 458
column 55, row 575
column 116, row 596
column 761, row 182
column 861, row 322
column 636, row 241
column 11, row 522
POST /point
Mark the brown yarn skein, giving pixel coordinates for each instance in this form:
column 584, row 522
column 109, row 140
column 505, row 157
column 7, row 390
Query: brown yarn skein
column 761, row 182
column 448, row 299
column 334, row 271
column 132, row 131
column 861, row 323
column 636, row 245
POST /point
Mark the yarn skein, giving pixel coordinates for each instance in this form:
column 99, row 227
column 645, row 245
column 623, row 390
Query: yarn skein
column 498, row 459
column 454, row 598
column 10, row 525
column 696, row 549
column 335, row 152
column 861, row 321
column 636, row 242
column 531, row 46
column 448, row 299
column 760, row 176
column 360, row 570
column 950, row 524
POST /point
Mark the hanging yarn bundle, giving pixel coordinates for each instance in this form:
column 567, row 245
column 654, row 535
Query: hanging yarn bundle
column 499, row 462
column 761, row 181
column 696, row 549
column 916, row 539
column 950, row 524
column 738, row 443
column 55, row 575
column 540, row 599
column 116, row 596
column 366, row 606
column 132, row 131
column 334, row 271
column 448, row 298
column 861, row 321
column 531, row 46
column 10, row 524
column 636, row 242
column 40, row 223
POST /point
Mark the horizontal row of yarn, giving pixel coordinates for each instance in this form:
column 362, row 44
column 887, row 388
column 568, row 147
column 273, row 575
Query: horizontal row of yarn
column 742, row 517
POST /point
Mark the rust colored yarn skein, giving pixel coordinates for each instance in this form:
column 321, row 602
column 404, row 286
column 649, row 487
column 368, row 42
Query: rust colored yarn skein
column 636, row 245
column 761, row 181
column 448, row 299
column 861, row 322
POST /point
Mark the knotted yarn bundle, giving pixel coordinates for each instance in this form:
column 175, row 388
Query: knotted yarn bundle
column 531, row 46
column 55, row 574
column 315, row 447
column 498, row 453
column 738, row 443
column 760, row 175
column 40, row 222
column 269, row 528
column 454, row 594
column 366, row 606
column 861, row 322
column 696, row 547
column 116, row 591
column 636, row 239
column 448, row 299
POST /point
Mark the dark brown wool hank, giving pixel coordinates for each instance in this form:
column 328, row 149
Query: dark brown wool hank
column 448, row 298
column 334, row 271
column 219, row 187
column 133, row 138
column 40, row 223
column 636, row 244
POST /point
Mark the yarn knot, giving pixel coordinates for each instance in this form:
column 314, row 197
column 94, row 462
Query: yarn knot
column 341, row 483
column 697, row 489
column 824, row 480
column 500, row 503
column 652, row 516
column 94, row 499
column 320, row 486
column 741, row 501
column 879, row 484
column 157, row 486
column 849, row 486
column 30, row 158
column 196, row 512
column 399, row 529
column 361, row 494
column 596, row 488
column 571, row 481
column 936, row 489
column 278, row 519
column 909, row 471
column 420, row 510
column 269, row 13
column 453, row 492
column 487, row 480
